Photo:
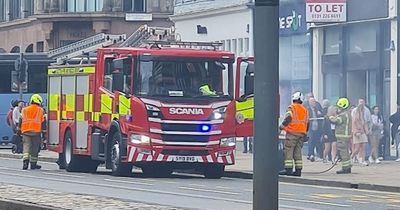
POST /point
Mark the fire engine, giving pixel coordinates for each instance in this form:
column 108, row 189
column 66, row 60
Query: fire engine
column 139, row 104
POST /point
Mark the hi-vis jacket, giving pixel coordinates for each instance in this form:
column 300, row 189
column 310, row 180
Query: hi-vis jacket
column 343, row 124
column 299, row 119
column 32, row 118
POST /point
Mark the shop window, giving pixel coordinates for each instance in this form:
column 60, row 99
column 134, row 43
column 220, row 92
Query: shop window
column 362, row 37
column 134, row 6
column 84, row 5
column 332, row 40
column 332, row 86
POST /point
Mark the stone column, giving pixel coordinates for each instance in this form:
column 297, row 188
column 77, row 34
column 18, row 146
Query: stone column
column 107, row 5
column 55, row 6
column 39, row 7
column 117, row 6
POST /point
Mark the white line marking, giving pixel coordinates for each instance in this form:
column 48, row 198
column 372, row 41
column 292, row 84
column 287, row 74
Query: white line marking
column 197, row 185
column 60, row 174
column 128, row 182
column 224, row 188
column 296, row 207
column 206, row 190
column 314, row 202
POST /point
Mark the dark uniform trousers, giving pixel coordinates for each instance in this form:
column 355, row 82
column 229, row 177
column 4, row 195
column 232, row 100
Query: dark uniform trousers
column 31, row 145
column 343, row 150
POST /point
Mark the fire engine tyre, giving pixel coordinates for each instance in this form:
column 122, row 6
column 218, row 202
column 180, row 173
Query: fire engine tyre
column 117, row 166
column 214, row 171
column 76, row 163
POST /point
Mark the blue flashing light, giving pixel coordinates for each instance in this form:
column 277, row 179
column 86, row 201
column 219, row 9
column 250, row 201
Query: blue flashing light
column 205, row 128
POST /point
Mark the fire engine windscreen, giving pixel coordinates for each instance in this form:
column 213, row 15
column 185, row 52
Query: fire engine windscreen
column 184, row 78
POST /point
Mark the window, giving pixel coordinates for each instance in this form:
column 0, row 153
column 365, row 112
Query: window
column 2, row 10
column 241, row 48
column 107, row 83
column 29, row 5
column 84, row 5
column 15, row 9
column 228, row 45
column 234, row 46
column 332, row 40
column 332, row 86
column 247, row 46
column 362, row 37
column 183, row 78
column 134, row 6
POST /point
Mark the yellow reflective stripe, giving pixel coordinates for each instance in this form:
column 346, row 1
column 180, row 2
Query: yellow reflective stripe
column 96, row 116
column 115, row 116
column 80, row 116
column 64, row 114
column 54, row 102
column 124, row 105
column 86, row 103
column 246, row 108
column 106, row 104
column 90, row 102
column 70, row 102
column 72, row 70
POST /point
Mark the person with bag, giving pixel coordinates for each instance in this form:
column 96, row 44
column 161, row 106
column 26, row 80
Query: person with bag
column 296, row 126
column 16, row 116
column 376, row 134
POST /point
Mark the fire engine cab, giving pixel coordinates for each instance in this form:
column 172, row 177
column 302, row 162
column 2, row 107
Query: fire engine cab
column 144, row 107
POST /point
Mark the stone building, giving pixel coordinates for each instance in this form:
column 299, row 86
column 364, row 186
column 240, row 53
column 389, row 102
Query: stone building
column 41, row 25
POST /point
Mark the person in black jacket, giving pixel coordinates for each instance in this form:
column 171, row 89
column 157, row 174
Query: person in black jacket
column 395, row 120
column 315, row 130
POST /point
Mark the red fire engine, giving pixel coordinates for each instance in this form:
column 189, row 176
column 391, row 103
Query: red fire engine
column 155, row 108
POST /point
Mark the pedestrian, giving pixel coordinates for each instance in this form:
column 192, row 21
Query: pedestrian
column 376, row 134
column 395, row 120
column 329, row 136
column 343, row 130
column 16, row 117
column 17, row 113
column 32, row 117
column 360, row 130
column 248, row 144
column 315, row 131
column 295, row 124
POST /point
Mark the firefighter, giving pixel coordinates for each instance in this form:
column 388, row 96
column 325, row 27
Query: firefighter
column 206, row 90
column 32, row 117
column 343, row 134
column 295, row 124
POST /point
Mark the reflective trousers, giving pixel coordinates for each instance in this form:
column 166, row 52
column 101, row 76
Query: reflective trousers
column 343, row 151
column 292, row 150
column 31, row 146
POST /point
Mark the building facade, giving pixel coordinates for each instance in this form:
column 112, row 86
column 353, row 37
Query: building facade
column 40, row 25
column 357, row 58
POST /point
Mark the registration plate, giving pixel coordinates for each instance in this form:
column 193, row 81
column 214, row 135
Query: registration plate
column 185, row 159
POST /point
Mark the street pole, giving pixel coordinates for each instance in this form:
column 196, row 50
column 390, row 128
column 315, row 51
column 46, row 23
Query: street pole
column 266, row 47
column 21, row 66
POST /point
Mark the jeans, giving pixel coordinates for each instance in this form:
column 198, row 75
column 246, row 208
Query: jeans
column 315, row 143
column 248, row 143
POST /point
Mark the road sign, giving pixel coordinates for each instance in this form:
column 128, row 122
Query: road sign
column 318, row 11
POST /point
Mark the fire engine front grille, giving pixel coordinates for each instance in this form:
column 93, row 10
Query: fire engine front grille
column 180, row 127
column 185, row 152
column 184, row 138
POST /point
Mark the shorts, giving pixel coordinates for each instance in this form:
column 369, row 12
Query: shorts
column 363, row 138
column 331, row 137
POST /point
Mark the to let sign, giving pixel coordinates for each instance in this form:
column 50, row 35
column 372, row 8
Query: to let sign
column 326, row 11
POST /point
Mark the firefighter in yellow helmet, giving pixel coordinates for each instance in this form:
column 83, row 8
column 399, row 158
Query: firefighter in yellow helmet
column 206, row 90
column 31, row 120
column 296, row 126
column 343, row 133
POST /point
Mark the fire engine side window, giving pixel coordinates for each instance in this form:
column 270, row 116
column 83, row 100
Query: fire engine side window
column 107, row 83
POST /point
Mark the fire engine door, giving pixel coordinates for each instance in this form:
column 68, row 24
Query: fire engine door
column 54, row 109
column 81, row 111
column 244, row 95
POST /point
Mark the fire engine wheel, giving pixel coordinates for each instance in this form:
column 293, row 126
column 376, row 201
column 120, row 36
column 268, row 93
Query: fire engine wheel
column 214, row 171
column 117, row 166
column 76, row 163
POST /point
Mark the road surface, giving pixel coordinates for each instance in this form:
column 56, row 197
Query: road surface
column 191, row 191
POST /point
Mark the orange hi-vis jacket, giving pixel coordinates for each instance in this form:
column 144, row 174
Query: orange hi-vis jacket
column 32, row 117
column 299, row 121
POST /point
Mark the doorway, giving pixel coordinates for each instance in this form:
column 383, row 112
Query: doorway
column 356, row 86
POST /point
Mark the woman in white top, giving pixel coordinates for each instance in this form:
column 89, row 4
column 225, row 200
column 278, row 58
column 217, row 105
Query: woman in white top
column 376, row 134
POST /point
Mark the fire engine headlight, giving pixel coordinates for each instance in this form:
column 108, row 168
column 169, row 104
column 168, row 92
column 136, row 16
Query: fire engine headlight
column 152, row 108
column 139, row 139
column 218, row 113
column 228, row 142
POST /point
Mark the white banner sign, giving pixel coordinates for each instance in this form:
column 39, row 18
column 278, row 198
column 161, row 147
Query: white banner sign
column 326, row 11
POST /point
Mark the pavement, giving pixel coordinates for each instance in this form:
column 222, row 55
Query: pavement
column 380, row 177
column 52, row 188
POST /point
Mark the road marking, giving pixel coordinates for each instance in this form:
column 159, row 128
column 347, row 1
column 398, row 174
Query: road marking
column 60, row 174
column 358, row 201
column 338, row 188
column 129, row 188
column 197, row 185
column 295, row 207
column 315, row 202
column 224, row 188
column 128, row 182
column 248, row 190
column 170, row 182
column 207, row 190
column 288, row 194
column 326, row 196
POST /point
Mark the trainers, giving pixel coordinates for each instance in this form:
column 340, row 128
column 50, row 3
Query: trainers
column 318, row 159
column 398, row 159
column 325, row 161
column 377, row 161
column 380, row 158
column 370, row 159
column 312, row 158
column 365, row 163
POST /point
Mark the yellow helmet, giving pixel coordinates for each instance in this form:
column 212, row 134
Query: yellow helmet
column 343, row 103
column 36, row 98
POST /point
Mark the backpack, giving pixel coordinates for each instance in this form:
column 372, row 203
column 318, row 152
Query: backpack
column 9, row 118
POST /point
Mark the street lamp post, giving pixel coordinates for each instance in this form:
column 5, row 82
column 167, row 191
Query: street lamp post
column 266, row 47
